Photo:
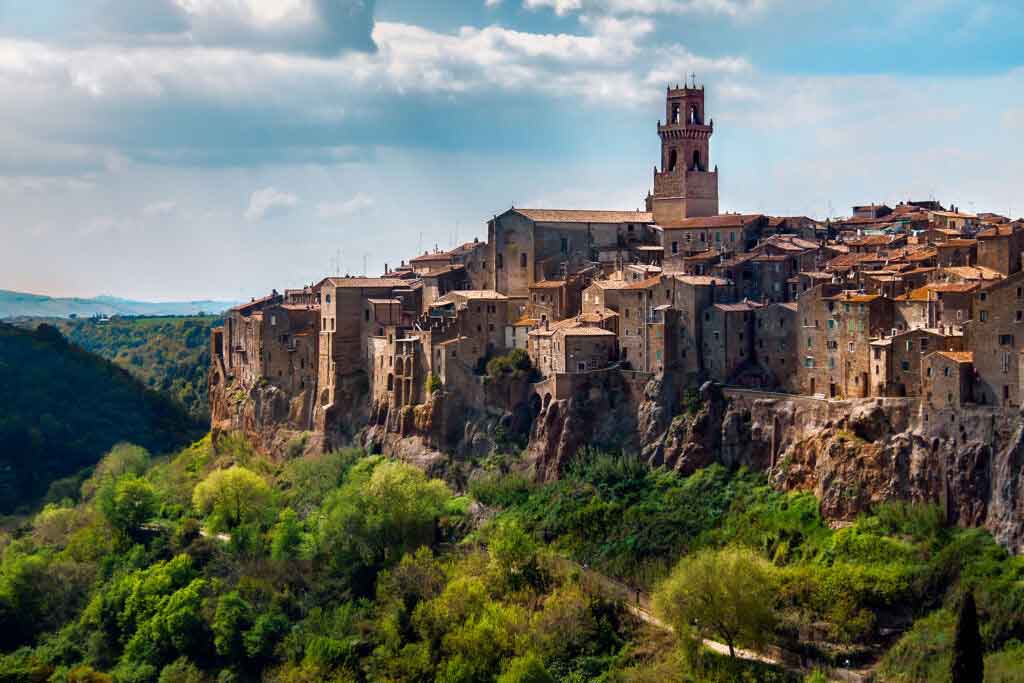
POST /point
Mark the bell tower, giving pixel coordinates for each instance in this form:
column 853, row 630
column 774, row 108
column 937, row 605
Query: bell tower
column 685, row 187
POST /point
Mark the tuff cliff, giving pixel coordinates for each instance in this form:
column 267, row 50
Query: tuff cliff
column 852, row 454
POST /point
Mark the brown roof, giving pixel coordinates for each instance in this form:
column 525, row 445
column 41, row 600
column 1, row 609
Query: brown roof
column 956, row 242
column 958, row 356
column 997, row 231
column 703, row 280
column 548, row 284
column 588, row 332
column 384, row 301
column 580, row 216
column 727, row 220
column 472, row 294
column 435, row 256
column 367, row 282
column 740, row 307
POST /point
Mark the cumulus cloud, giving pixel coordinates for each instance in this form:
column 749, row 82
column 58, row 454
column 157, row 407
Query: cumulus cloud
column 269, row 202
column 333, row 210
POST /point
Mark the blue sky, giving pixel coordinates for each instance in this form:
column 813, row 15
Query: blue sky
column 171, row 149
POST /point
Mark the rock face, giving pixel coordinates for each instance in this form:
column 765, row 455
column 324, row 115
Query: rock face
column 852, row 454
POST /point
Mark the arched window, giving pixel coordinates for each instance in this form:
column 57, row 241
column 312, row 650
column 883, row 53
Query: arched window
column 696, row 160
column 391, row 382
column 675, row 113
column 671, row 160
column 693, row 114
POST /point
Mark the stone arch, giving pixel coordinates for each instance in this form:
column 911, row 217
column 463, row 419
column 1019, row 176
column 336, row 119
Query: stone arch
column 694, row 116
column 696, row 160
column 673, row 159
column 675, row 112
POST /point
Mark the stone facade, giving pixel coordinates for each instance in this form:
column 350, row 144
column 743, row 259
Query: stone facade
column 996, row 336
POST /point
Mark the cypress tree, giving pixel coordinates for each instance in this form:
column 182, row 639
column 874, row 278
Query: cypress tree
column 968, row 665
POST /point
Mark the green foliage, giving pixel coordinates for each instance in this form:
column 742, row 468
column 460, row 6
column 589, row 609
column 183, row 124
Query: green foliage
column 127, row 503
column 232, row 497
column 434, row 383
column 526, row 669
column 500, row 490
column 61, row 408
column 725, row 594
column 516, row 363
column 384, row 510
column 286, row 537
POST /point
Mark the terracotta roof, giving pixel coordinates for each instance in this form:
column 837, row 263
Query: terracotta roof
column 952, row 214
column 548, row 284
column 587, row 332
column 526, row 321
column 582, row 216
column 628, row 284
column 847, row 296
column 872, row 241
column 256, row 303
column 435, row 256
column 727, row 220
column 598, row 316
column 997, row 231
column 384, row 301
column 974, row 272
column 704, row 280
column 956, row 242
column 472, row 295
column 367, row 282
column 958, row 356
column 738, row 308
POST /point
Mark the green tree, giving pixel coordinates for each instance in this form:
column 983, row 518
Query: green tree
column 232, row 497
column 181, row 670
column 232, row 618
column 286, row 538
column 726, row 594
column 384, row 510
column 122, row 459
column 968, row 664
column 526, row 669
column 127, row 503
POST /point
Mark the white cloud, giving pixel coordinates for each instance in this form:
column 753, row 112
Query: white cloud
column 333, row 210
column 269, row 202
column 731, row 8
column 165, row 208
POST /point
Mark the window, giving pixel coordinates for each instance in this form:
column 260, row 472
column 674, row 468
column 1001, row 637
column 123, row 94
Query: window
column 924, row 344
column 983, row 316
column 928, row 372
column 810, row 343
column 945, row 371
column 983, row 296
column 905, row 365
column 808, row 361
column 1020, row 316
column 1020, row 292
column 831, row 324
column 501, row 261
column 1006, row 362
column 732, row 237
column 366, row 315
column 850, row 347
column 522, row 260
column 831, row 363
column 718, row 237
column 328, row 298
column 1006, row 340
column 675, row 247
column 565, row 243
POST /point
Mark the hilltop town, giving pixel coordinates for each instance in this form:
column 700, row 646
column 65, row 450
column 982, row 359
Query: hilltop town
column 914, row 300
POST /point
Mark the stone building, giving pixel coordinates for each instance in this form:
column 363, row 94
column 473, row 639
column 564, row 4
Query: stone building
column 243, row 340
column 685, row 186
column 346, row 325
column 728, row 339
column 482, row 315
column 896, row 360
column 1000, row 247
column 571, row 346
column 775, row 342
column 947, row 379
column 529, row 245
column 996, row 336
column 836, row 328
column 728, row 233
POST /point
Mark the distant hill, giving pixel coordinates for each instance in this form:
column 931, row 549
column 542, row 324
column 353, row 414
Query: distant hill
column 62, row 408
column 22, row 304
column 170, row 354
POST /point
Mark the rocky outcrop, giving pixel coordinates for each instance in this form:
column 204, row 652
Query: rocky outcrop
column 277, row 423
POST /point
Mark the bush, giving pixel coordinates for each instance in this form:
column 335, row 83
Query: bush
column 515, row 363
column 500, row 490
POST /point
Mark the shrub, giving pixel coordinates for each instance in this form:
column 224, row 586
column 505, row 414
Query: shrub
column 515, row 363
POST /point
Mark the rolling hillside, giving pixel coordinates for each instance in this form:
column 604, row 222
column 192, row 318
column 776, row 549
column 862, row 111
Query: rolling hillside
column 23, row 304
